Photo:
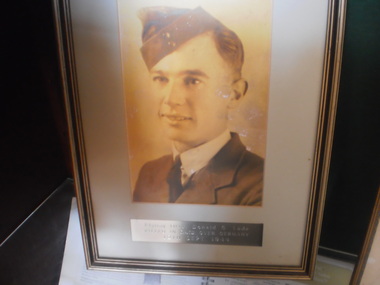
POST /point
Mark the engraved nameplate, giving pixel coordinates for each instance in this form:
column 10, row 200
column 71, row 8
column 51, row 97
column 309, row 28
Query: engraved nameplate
column 197, row 232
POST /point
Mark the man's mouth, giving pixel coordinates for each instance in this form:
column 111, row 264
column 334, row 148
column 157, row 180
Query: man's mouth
column 175, row 117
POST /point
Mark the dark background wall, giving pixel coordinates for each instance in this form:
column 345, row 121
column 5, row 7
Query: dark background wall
column 33, row 160
column 355, row 165
column 34, row 157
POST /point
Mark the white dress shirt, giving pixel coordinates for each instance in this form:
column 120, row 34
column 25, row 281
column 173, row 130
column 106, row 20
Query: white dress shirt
column 196, row 158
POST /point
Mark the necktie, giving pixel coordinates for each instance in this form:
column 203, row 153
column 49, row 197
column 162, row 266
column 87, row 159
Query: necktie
column 174, row 180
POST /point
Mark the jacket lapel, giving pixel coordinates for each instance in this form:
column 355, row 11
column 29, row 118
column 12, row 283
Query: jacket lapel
column 219, row 173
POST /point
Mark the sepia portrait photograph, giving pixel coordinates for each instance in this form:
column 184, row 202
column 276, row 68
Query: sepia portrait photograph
column 196, row 99
column 201, row 131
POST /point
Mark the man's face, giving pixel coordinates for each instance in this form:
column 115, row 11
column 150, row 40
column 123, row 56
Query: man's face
column 194, row 88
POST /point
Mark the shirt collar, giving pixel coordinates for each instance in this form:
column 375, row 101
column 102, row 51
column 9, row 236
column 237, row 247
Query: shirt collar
column 196, row 158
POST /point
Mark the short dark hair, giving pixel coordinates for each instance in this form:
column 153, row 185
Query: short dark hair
column 229, row 47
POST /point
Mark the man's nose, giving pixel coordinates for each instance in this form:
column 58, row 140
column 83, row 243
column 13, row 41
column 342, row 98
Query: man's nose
column 175, row 95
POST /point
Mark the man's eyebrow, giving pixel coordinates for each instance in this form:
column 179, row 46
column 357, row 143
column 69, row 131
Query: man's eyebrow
column 194, row 72
column 160, row 72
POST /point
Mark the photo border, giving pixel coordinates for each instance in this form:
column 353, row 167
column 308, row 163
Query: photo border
column 324, row 134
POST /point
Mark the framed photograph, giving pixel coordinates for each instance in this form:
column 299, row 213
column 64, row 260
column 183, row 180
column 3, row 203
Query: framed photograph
column 201, row 131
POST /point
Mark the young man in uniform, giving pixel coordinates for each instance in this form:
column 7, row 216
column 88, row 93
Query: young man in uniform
column 195, row 66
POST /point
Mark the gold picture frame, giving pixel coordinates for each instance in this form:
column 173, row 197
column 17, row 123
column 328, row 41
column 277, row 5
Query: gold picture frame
column 303, row 79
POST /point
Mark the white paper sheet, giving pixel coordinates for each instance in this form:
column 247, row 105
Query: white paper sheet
column 74, row 271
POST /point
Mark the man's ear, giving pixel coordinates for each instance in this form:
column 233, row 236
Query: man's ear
column 239, row 88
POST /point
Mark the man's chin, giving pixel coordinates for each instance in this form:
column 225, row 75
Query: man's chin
column 174, row 135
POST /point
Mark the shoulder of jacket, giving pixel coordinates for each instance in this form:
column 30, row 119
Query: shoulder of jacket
column 251, row 160
column 158, row 162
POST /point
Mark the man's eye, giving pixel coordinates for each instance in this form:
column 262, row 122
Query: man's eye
column 192, row 81
column 160, row 79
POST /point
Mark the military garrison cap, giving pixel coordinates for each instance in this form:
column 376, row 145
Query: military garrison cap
column 166, row 28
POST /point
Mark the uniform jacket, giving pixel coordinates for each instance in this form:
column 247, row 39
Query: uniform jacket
column 234, row 176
